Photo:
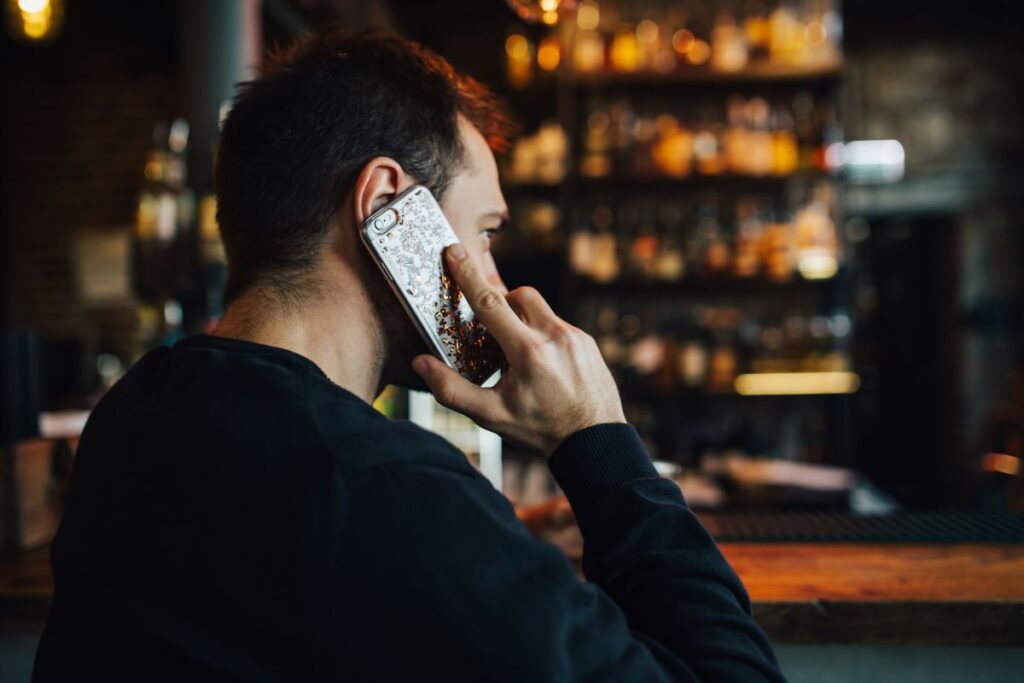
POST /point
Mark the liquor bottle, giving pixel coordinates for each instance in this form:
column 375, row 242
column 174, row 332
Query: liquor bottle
column 213, row 260
column 785, row 154
column 760, row 143
column 627, row 220
column 549, row 52
column 648, row 30
column 717, row 250
column 624, row 54
column 645, row 247
column 708, row 151
column 670, row 263
column 581, row 250
column 747, row 262
column 622, row 121
column 163, row 240
column 728, row 44
column 640, row 157
column 723, row 361
column 606, row 264
column 785, row 38
column 778, row 250
column 597, row 143
column 757, row 30
column 806, row 129
column 588, row 48
column 607, row 336
column 831, row 133
column 815, row 238
column 736, row 135
column 691, row 355
column 673, row 153
column 519, row 55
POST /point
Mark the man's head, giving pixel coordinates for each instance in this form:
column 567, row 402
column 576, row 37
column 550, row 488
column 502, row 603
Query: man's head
column 332, row 130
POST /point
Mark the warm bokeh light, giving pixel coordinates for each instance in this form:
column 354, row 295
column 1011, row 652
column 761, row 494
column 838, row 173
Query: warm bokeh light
column 625, row 51
column 1004, row 463
column 35, row 25
column 588, row 16
column 797, row 383
column 815, row 34
column 516, row 46
column 698, row 53
column 818, row 263
column 647, row 31
column 34, row 21
column 682, row 41
column 549, row 54
column 33, row 6
column 550, row 18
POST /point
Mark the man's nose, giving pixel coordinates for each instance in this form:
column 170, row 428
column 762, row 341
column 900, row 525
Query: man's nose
column 492, row 276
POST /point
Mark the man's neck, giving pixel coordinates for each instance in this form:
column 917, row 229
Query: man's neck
column 324, row 329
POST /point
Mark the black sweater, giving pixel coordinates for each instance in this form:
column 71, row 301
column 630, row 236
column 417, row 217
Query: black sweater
column 235, row 515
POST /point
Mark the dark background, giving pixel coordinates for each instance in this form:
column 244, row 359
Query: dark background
column 939, row 279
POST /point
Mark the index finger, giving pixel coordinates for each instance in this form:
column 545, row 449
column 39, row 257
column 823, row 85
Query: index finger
column 486, row 301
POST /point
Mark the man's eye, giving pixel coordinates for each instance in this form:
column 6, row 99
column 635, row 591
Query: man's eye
column 490, row 233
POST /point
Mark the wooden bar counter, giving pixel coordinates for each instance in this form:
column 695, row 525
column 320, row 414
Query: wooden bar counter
column 802, row 593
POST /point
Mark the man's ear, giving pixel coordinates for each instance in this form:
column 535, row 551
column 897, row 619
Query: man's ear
column 380, row 181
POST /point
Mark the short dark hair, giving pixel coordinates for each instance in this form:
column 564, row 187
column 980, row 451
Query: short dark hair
column 296, row 138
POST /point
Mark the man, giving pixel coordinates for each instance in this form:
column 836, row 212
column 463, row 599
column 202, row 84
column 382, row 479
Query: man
column 239, row 511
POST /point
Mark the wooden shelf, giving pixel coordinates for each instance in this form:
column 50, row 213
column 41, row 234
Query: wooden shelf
column 659, row 183
column 704, row 287
column 758, row 74
column 690, row 396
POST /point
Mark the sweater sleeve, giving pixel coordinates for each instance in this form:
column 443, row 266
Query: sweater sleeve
column 650, row 554
column 448, row 571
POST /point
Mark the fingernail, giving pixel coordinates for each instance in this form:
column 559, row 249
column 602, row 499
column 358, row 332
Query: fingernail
column 420, row 365
column 457, row 251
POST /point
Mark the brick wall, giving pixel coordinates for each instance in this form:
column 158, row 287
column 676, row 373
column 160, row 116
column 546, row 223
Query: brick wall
column 77, row 120
column 74, row 156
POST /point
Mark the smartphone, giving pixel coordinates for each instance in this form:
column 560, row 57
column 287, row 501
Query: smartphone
column 407, row 238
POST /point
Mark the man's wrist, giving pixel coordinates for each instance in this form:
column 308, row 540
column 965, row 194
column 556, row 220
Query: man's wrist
column 600, row 457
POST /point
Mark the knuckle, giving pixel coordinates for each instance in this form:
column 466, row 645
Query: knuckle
column 528, row 294
column 563, row 335
column 488, row 300
column 446, row 393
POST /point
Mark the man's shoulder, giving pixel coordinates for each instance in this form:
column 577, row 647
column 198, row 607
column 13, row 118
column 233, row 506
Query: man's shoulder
column 376, row 441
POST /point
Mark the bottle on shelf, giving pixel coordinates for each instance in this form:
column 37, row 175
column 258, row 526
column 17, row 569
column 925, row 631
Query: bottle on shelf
column 729, row 50
column 588, row 51
column 519, row 56
column 163, row 239
column 749, row 230
column 670, row 259
column 606, row 265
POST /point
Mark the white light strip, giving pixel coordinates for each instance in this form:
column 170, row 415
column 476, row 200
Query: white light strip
column 868, row 160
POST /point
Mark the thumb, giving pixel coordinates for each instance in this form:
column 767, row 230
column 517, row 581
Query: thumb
column 451, row 389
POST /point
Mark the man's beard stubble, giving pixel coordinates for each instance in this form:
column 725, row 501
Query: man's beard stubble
column 397, row 338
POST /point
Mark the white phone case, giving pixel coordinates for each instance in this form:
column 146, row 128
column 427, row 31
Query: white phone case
column 407, row 239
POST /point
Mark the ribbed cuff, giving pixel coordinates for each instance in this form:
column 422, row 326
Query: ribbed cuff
column 600, row 457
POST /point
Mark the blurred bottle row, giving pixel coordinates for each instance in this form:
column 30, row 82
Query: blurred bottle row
column 751, row 136
column 178, row 261
column 748, row 137
column 664, row 349
column 669, row 241
column 667, row 37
